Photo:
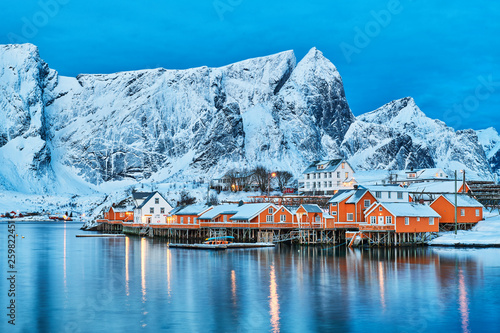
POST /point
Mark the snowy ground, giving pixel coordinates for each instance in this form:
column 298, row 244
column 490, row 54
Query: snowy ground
column 485, row 233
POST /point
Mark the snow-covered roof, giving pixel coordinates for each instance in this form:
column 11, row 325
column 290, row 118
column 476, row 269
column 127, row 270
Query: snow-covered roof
column 327, row 216
column 312, row 208
column 192, row 210
column 331, row 166
column 123, row 209
column 341, row 195
column 434, row 187
column 431, row 173
column 463, row 200
column 358, row 194
column 407, row 209
column 292, row 209
column 151, row 194
column 218, row 210
column 141, row 195
column 385, row 188
column 249, row 211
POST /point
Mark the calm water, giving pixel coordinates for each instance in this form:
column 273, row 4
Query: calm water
column 68, row 284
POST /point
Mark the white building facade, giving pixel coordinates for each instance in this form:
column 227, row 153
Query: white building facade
column 327, row 177
column 153, row 209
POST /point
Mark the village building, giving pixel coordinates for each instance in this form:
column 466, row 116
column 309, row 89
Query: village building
column 469, row 210
column 235, row 181
column 430, row 191
column 255, row 213
column 347, row 207
column 327, row 177
column 119, row 214
column 400, row 218
column 388, row 193
column 150, row 209
column 217, row 214
column 187, row 214
column 407, row 177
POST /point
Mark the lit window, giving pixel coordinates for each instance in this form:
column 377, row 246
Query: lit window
column 343, row 165
column 350, row 217
column 346, row 175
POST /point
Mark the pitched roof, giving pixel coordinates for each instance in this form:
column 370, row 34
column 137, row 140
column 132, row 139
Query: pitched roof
column 358, row 194
column 249, row 211
column 312, row 208
column 332, row 165
column 434, row 187
column 463, row 200
column 140, row 195
column 407, row 209
column 123, row 209
column 386, row 188
column 191, row 210
column 151, row 194
column 218, row 210
column 341, row 195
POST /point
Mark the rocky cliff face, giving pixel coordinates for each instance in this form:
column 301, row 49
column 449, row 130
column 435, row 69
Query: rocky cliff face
column 399, row 135
column 490, row 140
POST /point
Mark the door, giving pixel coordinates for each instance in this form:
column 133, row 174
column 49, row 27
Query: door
column 380, row 220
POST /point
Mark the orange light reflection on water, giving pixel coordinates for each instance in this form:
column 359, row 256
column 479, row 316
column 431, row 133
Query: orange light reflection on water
column 274, row 305
column 143, row 268
column 463, row 302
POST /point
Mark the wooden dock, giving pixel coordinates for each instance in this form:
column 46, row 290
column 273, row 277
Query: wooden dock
column 221, row 246
column 102, row 235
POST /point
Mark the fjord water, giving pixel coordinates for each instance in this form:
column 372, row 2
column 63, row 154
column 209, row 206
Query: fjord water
column 134, row 284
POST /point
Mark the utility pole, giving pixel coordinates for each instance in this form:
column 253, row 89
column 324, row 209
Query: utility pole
column 456, row 200
column 463, row 185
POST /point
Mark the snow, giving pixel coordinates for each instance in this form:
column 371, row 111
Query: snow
column 406, row 209
column 248, row 211
column 485, row 233
column 463, row 200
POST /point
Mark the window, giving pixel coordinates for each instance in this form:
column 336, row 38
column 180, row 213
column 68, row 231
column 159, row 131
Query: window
column 380, row 208
column 194, row 220
column 330, row 184
column 269, row 218
column 151, row 210
column 346, row 175
column 338, row 174
column 189, row 219
column 418, row 218
column 407, row 221
column 367, row 203
column 270, row 210
column 462, row 212
column 157, row 201
column 325, row 184
column 373, row 219
column 225, row 218
column 477, row 212
column 378, row 194
column 431, row 221
column 334, row 213
column 343, row 165
column 307, row 176
column 182, row 219
column 389, row 195
column 314, row 176
column 338, row 182
column 388, row 219
column 319, row 184
column 282, row 209
column 282, row 218
column 162, row 210
column 412, row 175
column 329, row 175
column 350, row 217
column 400, row 195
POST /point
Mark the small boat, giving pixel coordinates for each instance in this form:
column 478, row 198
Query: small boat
column 221, row 240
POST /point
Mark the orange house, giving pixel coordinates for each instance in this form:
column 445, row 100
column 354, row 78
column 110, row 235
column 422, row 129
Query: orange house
column 119, row 214
column 218, row 214
column 400, row 218
column 255, row 215
column 348, row 208
column 188, row 214
column 284, row 215
column 310, row 216
column 469, row 210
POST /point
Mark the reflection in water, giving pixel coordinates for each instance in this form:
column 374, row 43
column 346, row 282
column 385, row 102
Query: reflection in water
column 463, row 301
column 127, row 249
column 233, row 286
column 64, row 258
column 274, row 305
column 169, row 272
column 143, row 268
column 381, row 283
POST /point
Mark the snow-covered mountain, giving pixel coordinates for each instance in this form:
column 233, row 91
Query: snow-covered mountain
column 399, row 135
column 490, row 140
column 76, row 134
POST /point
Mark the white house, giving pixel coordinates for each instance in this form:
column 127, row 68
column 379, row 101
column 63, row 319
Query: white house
column 388, row 193
column 150, row 207
column 327, row 177
column 406, row 177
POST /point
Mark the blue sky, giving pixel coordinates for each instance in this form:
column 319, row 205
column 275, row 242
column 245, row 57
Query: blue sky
column 445, row 55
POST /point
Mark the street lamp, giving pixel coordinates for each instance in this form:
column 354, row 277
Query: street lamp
column 271, row 175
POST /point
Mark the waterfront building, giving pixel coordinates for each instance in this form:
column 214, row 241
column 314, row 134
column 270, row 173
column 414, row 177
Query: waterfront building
column 327, row 177
column 469, row 210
